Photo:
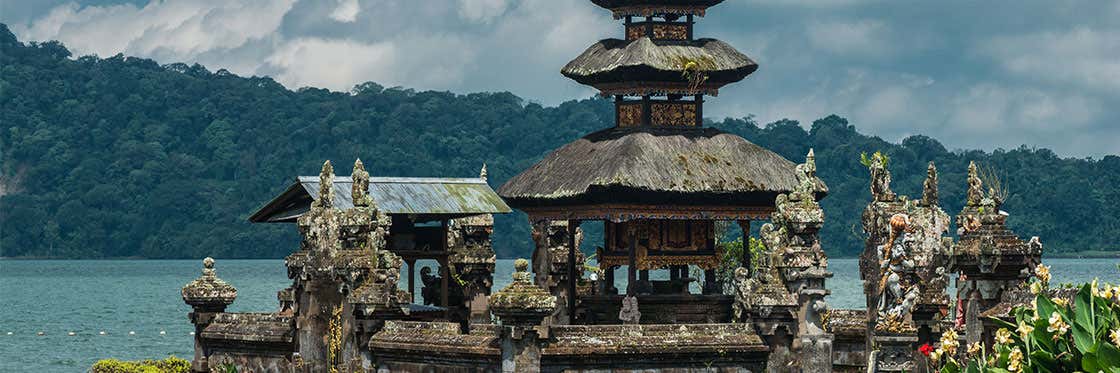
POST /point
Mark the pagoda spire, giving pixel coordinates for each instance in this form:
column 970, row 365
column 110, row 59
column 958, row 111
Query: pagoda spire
column 659, row 72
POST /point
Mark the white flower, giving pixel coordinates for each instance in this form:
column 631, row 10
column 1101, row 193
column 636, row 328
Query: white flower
column 1057, row 325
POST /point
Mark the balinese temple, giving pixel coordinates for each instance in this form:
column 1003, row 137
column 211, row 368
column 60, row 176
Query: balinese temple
column 446, row 220
column 658, row 180
column 659, row 183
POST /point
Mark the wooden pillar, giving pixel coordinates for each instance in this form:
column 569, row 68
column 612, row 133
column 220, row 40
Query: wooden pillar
column 631, row 269
column 745, row 226
column 608, row 280
column 573, row 275
column 412, row 280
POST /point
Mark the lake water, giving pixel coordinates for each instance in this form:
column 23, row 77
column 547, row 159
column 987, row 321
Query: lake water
column 118, row 297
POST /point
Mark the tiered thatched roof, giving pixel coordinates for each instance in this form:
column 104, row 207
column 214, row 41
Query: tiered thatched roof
column 622, row 8
column 651, row 165
column 613, row 62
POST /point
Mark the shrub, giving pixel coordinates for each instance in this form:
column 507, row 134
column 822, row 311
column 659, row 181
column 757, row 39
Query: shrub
column 1051, row 335
column 169, row 365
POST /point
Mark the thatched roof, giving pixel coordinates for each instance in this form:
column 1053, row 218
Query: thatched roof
column 613, row 61
column 653, row 165
column 622, row 8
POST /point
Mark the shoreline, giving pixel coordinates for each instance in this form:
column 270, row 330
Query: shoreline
column 1078, row 255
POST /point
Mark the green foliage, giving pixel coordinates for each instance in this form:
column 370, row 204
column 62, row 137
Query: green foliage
column 733, row 257
column 1052, row 335
column 169, row 365
column 868, row 161
column 122, row 157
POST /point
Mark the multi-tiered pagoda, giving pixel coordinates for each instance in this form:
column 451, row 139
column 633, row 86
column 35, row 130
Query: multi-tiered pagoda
column 658, row 179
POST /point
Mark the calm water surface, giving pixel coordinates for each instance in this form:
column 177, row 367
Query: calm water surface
column 87, row 297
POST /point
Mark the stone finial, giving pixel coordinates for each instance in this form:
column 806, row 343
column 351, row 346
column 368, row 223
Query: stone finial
column 929, row 188
column 482, row 173
column 326, row 186
column 975, row 186
column 880, row 178
column 811, row 162
column 208, row 292
column 359, row 190
column 522, row 303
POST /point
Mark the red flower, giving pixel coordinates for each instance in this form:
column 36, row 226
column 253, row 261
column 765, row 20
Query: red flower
column 925, row 349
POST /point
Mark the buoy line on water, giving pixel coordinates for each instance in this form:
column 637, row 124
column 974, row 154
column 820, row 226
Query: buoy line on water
column 101, row 332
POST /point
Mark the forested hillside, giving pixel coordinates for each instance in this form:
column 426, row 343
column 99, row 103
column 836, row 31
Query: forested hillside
column 123, row 157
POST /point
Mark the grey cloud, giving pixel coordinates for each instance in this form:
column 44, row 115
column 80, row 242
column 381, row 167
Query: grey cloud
column 971, row 74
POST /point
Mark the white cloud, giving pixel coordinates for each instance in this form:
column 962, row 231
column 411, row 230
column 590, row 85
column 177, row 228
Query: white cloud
column 347, row 11
column 481, row 10
column 172, row 29
column 339, row 64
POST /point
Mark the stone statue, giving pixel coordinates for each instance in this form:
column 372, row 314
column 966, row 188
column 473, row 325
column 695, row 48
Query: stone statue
column 326, row 184
column 880, row 179
column 975, row 186
column 897, row 292
column 629, row 313
column 360, row 189
column 806, row 179
column 929, row 188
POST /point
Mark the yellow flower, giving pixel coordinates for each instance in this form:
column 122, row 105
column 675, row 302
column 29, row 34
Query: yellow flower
column 974, row 349
column 936, row 355
column 1093, row 287
column 1106, row 292
column 1062, row 302
column 949, row 341
column 1043, row 273
column 1003, row 336
column 1014, row 359
column 1025, row 330
column 1036, row 287
column 1115, row 336
column 1057, row 325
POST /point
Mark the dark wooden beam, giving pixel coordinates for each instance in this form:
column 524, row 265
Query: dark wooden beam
column 745, row 226
column 573, row 275
column 631, row 270
column 412, row 281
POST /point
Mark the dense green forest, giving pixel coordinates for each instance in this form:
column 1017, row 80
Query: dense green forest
column 123, row 157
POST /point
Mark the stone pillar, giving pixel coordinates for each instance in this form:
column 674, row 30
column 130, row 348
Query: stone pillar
column 521, row 308
column 894, row 352
column 208, row 296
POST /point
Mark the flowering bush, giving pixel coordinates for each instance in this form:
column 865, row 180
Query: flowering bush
column 1050, row 335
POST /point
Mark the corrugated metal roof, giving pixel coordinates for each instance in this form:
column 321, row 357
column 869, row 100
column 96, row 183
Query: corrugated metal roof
column 452, row 197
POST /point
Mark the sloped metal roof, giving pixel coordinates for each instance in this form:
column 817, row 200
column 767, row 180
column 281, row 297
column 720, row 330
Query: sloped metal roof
column 425, row 197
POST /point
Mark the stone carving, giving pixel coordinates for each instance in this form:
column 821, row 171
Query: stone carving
column 880, row 178
column 929, row 187
column 975, row 187
column 898, row 290
column 360, row 189
column 208, row 291
column 326, row 184
column 521, row 302
column 629, row 314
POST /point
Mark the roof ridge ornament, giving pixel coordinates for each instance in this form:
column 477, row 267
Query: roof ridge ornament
column 482, row 173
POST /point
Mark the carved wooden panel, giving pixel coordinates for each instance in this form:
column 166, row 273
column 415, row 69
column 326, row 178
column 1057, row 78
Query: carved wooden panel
column 673, row 114
column 629, row 115
column 661, row 243
column 670, row 32
column 636, row 31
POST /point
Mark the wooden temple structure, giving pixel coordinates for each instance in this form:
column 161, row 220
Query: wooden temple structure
column 658, row 180
column 427, row 216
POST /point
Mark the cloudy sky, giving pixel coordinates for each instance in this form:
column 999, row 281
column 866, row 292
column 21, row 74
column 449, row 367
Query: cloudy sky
column 973, row 74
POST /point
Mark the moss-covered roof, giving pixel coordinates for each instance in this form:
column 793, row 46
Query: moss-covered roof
column 655, row 165
column 612, row 61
